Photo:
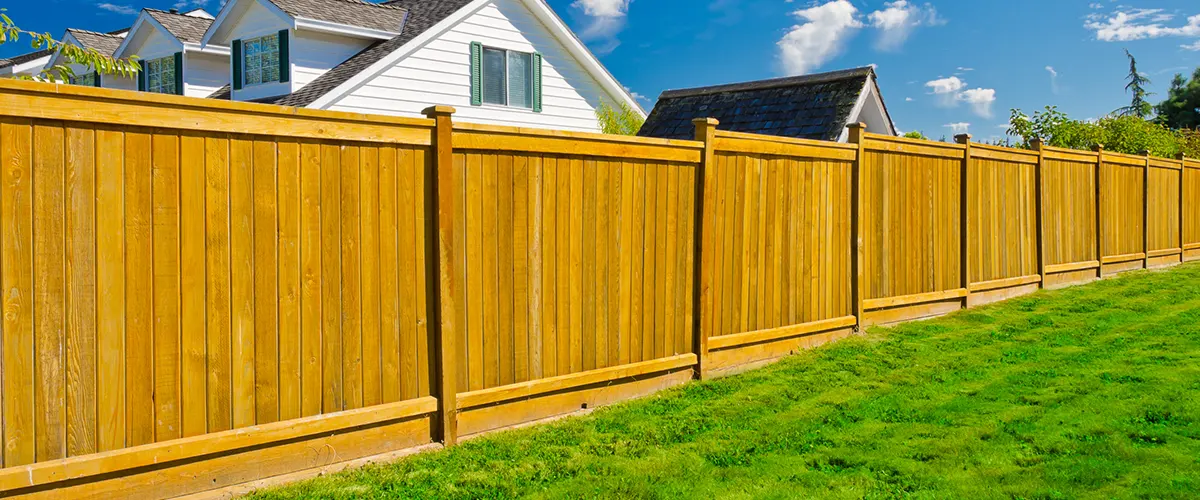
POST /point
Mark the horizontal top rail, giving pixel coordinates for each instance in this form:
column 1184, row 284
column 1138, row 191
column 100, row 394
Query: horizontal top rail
column 1065, row 154
column 468, row 136
column 1124, row 159
column 50, row 101
column 1190, row 163
column 783, row 146
column 876, row 142
column 1164, row 163
column 989, row 152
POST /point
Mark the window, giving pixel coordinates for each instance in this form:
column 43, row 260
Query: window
column 507, row 78
column 88, row 80
column 261, row 59
column 160, row 75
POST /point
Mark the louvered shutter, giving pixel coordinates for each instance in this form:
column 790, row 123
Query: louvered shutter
column 537, row 82
column 141, row 75
column 237, row 65
column 285, row 64
column 476, row 74
column 179, row 73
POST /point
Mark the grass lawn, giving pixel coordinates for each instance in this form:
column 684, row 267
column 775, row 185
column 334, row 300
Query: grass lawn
column 1086, row 392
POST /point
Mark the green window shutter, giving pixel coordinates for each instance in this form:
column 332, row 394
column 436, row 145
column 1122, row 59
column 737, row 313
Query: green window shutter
column 285, row 64
column 141, row 76
column 236, row 62
column 476, row 74
column 179, row 73
column 96, row 79
column 537, row 82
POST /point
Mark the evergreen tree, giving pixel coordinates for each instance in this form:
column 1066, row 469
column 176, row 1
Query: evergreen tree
column 1181, row 109
column 1138, row 107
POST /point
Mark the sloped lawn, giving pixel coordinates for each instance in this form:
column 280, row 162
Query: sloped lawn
column 1087, row 392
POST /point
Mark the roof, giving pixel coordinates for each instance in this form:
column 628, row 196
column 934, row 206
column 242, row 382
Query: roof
column 24, row 58
column 182, row 26
column 422, row 15
column 381, row 17
column 104, row 43
column 810, row 106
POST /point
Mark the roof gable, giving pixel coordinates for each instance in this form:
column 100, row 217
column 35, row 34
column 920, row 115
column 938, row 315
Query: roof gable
column 810, row 107
column 179, row 29
column 349, row 17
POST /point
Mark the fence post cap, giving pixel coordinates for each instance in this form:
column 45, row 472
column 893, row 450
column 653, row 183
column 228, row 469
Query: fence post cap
column 858, row 125
column 1181, row 156
column 1144, row 152
column 962, row 138
column 706, row 121
column 1098, row 148
column 433, row 111
column 1036, row 143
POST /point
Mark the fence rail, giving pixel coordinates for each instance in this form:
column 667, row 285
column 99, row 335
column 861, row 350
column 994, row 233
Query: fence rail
column 198, row 294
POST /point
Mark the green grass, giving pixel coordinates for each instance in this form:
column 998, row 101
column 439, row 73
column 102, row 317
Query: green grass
column 1086, row 392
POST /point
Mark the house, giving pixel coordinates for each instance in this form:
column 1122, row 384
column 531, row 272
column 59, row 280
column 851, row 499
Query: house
column 171, row 56
column 504, row 62
column 25, row 65
column 103, row 43
column 816, row 106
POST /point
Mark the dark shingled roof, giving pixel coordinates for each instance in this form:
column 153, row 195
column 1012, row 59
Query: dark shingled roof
column 104, row 43
column 383, row 17
column 23, row 58
column 807, row 107
column 222, row 93
column 184, row 27
column 422, row 15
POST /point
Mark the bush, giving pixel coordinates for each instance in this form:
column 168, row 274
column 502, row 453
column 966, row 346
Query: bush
column 1121, row 134
column 622, row 120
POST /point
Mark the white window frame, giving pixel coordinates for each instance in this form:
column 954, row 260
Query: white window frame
column 246, row 56
column 507, row 83
column 163, row 88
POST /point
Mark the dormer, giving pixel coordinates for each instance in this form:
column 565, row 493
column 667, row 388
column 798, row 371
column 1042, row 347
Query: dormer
column 279, row 46
column 105, row 44
column 172, row 59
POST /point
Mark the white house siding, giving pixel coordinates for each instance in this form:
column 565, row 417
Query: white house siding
column 440, row 73
column 204, row 73
column 249, row 19
column 315, row 53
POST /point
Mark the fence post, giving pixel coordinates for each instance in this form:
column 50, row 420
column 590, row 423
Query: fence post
column 964, row 269
column 706, row 131
column 1146, row 211
column 1099, row 149
column 857, row 290
column 445, row 286
column 1182, row 174
column 1039, row 193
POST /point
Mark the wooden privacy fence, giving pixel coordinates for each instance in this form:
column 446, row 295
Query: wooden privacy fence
column 198, row 294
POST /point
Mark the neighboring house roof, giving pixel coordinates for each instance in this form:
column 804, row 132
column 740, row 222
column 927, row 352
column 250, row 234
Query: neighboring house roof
column 104, row 43
column 809, row 107
column 223, row 93
column 24, row 58
column 375, row 16
column 187, row 28
column 422, row 15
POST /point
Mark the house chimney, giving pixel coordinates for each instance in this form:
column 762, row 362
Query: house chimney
column 174, row 10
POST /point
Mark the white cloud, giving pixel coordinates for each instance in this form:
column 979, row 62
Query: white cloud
column 607, row 20
column 1138, row 24
column 1194, row 46
column 119, row 9
column 908, row 99
column 958, row 128
column 1053, row 79
column 1095, row 5
column 897, row 21
column 980, row 100
column 946, row 90
column 949, row 92
column 824, row 31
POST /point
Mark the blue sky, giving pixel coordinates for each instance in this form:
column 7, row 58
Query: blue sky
column 941, row 64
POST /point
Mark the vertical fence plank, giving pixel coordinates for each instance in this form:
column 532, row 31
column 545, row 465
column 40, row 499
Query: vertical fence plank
column 165, row 256
column 265, row 282
column 288, row 205
column 49, row 292
column 393, row 202
column 217, row 255
column 139, row 293
column 16, row 218
column 312, row 315
column 193, row 377
column 110, row 287
column 351, row 289
column 369, row 223
column 241, row 279
column 331, row 277
column 80, row 156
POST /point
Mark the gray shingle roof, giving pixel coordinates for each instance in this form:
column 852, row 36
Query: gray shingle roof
column 349, row 12
column 809, row 107
column 185, row 28
column 422, row 15
column 104, row 43
column 23, row 58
